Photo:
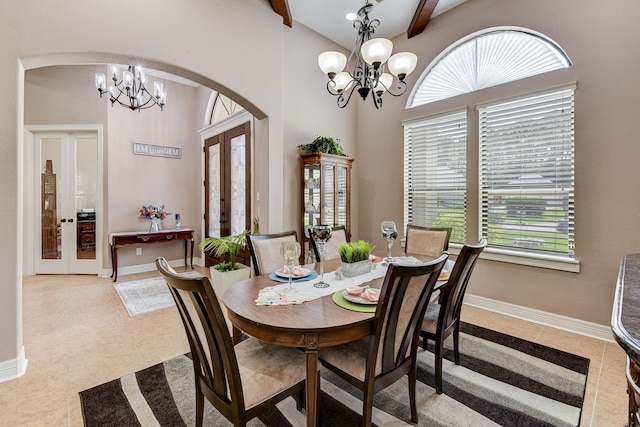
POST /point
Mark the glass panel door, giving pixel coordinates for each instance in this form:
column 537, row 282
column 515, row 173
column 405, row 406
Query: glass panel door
column 66, row 197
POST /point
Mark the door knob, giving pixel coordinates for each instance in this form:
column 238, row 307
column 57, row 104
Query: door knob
column 63, row 220
column 70, row 219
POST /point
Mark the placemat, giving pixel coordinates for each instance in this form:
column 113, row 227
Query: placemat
column 311, row 276
column 339, row 299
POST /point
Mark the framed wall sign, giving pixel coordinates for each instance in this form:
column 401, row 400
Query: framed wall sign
column 157, row 150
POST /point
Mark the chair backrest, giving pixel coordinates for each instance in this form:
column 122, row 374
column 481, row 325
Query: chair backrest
column 265, row 250
column 338, row 237
column 403, row 301
column 429, row 241
column 453, row 292
column 212, row 350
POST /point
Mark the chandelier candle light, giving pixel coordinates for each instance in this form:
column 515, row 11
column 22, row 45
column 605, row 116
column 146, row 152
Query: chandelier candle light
column 131, row 88
column 366, row 65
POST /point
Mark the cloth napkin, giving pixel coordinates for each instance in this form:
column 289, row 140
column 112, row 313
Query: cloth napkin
column 305, row 291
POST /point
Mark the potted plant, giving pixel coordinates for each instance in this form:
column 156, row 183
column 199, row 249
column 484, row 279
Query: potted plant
column 322, row 144
column 227, row 273
column 355, row 257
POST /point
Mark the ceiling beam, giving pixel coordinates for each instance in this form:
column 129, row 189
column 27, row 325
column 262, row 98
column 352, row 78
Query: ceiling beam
column 281, row 7
column 421, row 18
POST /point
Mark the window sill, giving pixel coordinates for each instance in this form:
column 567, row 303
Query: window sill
column 539, row 260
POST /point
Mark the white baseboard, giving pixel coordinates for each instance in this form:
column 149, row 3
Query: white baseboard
column 14, row 368
column 593, row 330
column 143, row 268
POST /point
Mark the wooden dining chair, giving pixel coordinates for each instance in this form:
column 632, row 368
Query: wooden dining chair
column 243, row 381
column 428, row 241
column 265, row 250
column 389, row 352
column 338, row 237
column 442, row 317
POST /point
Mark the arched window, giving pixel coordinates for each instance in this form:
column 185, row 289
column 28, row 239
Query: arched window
column 488, row 58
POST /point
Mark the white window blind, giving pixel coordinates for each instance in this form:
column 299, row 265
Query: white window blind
column 527, row 173
column 435, row 179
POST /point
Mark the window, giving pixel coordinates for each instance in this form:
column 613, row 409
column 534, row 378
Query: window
column 435, row 164
column 527, row 174
column 488, row 58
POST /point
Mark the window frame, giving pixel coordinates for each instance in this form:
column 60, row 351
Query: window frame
column 434, row 122
column 524, row 257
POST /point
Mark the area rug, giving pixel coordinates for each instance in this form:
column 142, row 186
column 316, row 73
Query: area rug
column 502, row 381
column 146, row 295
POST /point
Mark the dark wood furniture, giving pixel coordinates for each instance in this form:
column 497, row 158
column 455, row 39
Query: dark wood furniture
column 239, row 381
column 443, row 317
column 86, row 238
column 625, row 324
column 388, row 353
column 118, row 240
column 265, row 250
column 326, row 192
column 311, row 326
column 49, row 219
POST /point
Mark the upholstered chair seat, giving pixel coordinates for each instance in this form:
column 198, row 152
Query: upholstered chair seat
column 265, row 250
column 427, row 241
column 267, row 369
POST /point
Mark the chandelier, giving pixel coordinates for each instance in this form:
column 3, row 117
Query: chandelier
column 130, row 91
column 366, row 69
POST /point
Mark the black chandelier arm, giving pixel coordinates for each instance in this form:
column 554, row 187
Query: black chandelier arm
column 402, row 86
column 150, row 102
column 342, row 101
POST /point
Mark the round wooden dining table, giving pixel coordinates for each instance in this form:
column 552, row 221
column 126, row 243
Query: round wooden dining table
column 310, row 325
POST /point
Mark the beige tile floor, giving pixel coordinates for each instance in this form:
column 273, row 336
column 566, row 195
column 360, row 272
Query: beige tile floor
column 77, row 334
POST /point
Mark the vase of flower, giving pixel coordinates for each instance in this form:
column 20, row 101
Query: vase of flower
column 156, row 225
column 155, row 214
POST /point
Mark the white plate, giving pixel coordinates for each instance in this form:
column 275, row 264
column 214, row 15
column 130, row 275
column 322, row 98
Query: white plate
column 286, row 275
column 359, row 300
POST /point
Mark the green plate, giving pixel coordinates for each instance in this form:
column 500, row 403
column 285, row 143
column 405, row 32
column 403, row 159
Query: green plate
column 339, row 299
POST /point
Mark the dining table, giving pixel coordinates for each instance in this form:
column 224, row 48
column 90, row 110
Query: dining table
column 309, row 325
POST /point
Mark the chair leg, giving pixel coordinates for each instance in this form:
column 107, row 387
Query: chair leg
column 412, row 394
column 438, row 363
column 300, row 400
column 367, row 408
column 425, row 341
column 199, row 408
column 456, row 346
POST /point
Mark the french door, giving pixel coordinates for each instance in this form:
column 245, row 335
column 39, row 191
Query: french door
column 65, row 201
column 228, row 185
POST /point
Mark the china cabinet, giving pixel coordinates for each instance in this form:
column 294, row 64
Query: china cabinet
column 326, row 192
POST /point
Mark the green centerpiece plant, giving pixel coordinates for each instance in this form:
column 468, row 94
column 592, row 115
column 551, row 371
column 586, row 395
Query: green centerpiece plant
column 355, row 257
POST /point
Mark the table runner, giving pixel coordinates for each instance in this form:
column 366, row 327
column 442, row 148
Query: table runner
column 305, row 291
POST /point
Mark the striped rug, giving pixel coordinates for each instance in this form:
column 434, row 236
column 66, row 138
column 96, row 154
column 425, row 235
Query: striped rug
column 502, row 381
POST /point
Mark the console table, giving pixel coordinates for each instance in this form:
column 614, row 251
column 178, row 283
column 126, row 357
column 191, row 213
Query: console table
column 117, row 240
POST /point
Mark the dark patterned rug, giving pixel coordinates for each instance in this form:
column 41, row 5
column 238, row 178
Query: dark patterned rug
column 502, row 381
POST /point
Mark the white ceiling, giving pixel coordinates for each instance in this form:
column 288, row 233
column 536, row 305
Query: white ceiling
column 327, row 17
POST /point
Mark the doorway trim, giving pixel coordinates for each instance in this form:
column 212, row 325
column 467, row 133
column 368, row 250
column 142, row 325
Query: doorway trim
column 28, row 249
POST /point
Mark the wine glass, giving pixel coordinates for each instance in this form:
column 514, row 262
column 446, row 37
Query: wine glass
column 321, row 235
column 290, row 251
column 390, row 233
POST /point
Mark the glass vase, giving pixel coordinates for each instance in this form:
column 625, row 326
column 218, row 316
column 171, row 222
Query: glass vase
column 156, row 225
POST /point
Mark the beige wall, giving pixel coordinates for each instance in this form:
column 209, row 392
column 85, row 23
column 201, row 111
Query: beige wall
column 233, row 47
column 602, row 43
column 62, row 95
column 274, row 75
